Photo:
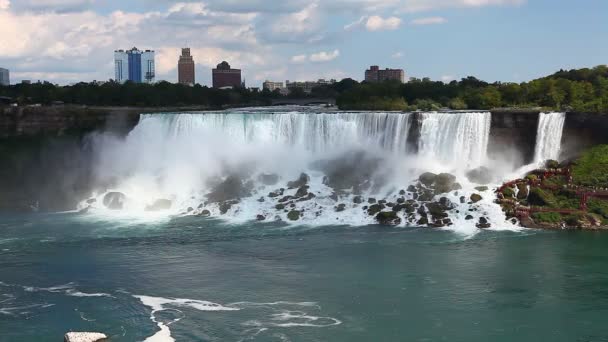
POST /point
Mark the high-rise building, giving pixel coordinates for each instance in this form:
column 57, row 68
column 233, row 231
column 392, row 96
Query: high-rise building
column 134, row 65
column 375, row 74
column 5, row 79
column 185, row 68
column 226, row 77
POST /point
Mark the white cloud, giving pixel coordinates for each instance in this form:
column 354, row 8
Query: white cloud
column 377, row 23
column 447, row 78
column 429, row 21
column 324, row 56
column 318, row 57
column 4, row 5
column 429, row 5
column 59, row 6
column 299, row 59
column 397, row 55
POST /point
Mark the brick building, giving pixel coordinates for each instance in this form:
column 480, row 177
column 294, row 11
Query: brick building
column 185, row 68
column 375, row 74
column 226, row 77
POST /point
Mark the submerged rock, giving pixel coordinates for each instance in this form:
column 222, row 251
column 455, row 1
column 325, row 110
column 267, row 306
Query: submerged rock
column 84, row 337
column 260, row 217
column 114, row 200
column 340, row 207
column 483, row 223
column 302, row 191
column 357, row 200
column 159, row 204
column 205, row 213
column 374, row 209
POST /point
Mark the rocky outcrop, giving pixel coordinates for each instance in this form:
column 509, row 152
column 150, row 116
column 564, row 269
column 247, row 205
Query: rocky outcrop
column 114, row 200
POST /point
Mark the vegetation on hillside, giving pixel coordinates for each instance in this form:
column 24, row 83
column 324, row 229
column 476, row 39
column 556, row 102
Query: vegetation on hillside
column 582, row 90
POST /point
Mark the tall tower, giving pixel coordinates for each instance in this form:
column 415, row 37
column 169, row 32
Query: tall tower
column 185, row 68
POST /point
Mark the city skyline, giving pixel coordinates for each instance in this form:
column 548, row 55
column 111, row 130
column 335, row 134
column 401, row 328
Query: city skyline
column 304, row 40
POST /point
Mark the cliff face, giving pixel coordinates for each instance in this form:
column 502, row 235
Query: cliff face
column 582, row 131
column 513, row 135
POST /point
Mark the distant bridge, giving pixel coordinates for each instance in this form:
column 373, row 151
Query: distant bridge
column 304, row 102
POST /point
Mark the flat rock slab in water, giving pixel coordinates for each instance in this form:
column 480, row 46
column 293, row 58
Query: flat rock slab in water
column 84, row 337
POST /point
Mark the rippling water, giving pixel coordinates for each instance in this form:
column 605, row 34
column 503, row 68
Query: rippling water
column 193, row 279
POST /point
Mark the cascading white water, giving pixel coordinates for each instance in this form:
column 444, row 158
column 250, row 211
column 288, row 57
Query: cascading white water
column 182, row 157
column 549, row 136
column 456, row 138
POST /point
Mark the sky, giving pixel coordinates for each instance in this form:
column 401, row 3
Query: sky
column 67, row 41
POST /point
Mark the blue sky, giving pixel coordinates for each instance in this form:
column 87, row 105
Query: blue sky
column 65, row 41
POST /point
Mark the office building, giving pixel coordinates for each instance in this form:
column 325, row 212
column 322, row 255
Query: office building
column 375, row 74
column 5, row 79
column 185, row 68
column 272, row 86
column 225, row 77
column 307, row 86
column 134, row 65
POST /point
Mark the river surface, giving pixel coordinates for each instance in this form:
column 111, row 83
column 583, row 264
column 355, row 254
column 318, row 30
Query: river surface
column 196, row 279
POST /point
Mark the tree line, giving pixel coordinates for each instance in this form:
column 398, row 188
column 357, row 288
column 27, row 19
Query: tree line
column 581, row 90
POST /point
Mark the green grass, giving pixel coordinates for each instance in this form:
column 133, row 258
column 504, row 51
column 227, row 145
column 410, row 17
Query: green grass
column 599, row 207
column 547, row 217
column 592, row 168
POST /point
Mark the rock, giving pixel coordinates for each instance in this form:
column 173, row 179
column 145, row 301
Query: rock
column 231, row 188
column 301, row 181
column 285, row 199
column 426, row 196
column 389, row 218
column 444, row 182
column 401, row 200
column 334, row 196
column 390, row 204
column 190, row 209
column 374, row 209
column 437, row 210
column 307, row 198
column 411, row 188
column 260, row 217
column 456, row 186
column 84, row 337
column 274, row 194
column 261, row 200
column 401, row 192
column 200, row 206
column 469, row 217
column 522, row 191
column 371, row 200
column 91, row 200
column 84, row 210
column 340, row 207
column 427, row 178
column 225, row 206
column 302, row 191
column 463, row 199
column 293, row 215
column 446, row 203
column 114, row 200
column 268, row 179
column 483, row 223
column 421, row 211
column 481, row 188
column 476, row 198
column 357, row 200
column 551, row 164
column 279, row 206
column 480, row 175
column 423, row 221
column 159, row 204
column 382, row 202
column 205, row 213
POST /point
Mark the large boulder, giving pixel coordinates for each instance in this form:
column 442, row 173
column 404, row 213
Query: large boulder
column 114, row 200
column 231, row 188
column 294, row 215
column 551, row 164
column 353, row 170
column 389, row 218
column 476, row 198
column 445, row 182
column 480, row 175
column 427, row 178
column 159, row 204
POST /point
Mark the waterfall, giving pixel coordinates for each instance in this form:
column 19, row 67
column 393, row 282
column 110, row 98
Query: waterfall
column 549, row 136
column 317, row 132
column 456, row 138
